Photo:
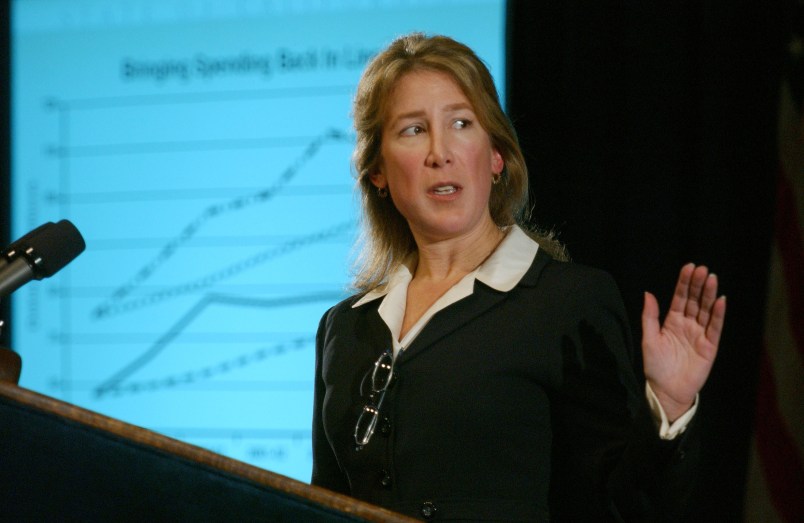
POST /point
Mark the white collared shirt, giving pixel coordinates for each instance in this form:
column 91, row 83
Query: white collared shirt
column 501, row 271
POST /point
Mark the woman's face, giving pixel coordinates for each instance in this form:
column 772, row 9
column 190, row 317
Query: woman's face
column 436, row 160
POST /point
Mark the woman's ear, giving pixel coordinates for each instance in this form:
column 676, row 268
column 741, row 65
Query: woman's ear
column 497, row 162
column 378, row 180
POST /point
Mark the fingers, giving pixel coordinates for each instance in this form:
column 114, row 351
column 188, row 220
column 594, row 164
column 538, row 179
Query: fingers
column 708, row 297
column 681, row 293
column 650, row 317
column 715, row 327
column 695, row 291
column 695, row 296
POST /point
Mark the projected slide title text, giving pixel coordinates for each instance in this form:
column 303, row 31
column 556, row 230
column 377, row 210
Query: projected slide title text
column 282, row 61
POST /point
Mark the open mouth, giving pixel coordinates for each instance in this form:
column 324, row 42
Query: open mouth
column 443, row 190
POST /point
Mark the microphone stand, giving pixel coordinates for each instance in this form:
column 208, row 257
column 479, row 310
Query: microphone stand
column 10, row 364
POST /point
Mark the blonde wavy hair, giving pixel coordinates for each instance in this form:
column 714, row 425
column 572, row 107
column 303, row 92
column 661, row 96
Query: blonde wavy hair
column 386, row 239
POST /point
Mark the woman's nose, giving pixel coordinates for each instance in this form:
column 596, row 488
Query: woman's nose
column 439, row 154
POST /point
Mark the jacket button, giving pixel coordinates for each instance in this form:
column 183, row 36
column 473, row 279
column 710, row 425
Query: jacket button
column 385, row 427
column 428, row 510
column 386, row 479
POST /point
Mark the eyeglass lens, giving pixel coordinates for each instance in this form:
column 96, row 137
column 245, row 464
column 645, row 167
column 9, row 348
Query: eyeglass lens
column 380, row 378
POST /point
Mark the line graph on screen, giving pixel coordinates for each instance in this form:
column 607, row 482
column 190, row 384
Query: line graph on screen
column 203, row 234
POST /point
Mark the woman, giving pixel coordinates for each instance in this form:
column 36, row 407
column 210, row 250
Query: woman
column 475, row 376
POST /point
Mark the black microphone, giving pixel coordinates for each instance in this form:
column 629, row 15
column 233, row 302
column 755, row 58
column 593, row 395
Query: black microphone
column 13, row 250
column 39, row 254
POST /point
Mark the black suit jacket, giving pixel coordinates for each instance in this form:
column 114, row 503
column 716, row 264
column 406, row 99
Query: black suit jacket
column 516, row 406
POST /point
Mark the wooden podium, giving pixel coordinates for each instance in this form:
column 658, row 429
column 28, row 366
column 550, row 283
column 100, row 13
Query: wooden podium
column 59, row 462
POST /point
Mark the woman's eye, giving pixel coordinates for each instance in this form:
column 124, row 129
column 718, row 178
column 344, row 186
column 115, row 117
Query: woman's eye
column 413, row 130
column 461, row 123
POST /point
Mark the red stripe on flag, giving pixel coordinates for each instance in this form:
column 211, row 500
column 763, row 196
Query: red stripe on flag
column 791, row 246
column 778, row 456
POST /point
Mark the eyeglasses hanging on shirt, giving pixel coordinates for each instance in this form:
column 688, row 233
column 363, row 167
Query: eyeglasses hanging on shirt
column 380, row 379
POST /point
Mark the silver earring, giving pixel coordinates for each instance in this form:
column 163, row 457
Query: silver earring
column 495, row 178
column 382, row 192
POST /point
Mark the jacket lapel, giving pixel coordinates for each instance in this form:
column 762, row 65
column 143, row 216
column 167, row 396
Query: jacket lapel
column 464, row 311
column 372, row 333
column 453, row 317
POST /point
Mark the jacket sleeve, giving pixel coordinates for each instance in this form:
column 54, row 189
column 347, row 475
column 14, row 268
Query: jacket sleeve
column 326, row 471
column 608, row 460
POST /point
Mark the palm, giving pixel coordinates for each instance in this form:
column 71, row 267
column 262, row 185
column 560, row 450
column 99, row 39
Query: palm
column 678, row 354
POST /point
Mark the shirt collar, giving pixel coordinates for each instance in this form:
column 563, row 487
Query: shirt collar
column 501, row 271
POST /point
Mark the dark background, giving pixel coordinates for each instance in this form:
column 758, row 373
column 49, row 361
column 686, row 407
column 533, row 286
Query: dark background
column 650, row 132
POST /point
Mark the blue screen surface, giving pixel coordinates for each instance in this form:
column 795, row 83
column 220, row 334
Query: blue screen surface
column 203, row 150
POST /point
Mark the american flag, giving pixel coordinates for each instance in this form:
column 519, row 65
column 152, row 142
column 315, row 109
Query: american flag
column 775, row 490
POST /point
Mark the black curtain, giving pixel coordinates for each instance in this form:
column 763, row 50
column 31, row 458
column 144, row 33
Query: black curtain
column 650, row 134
